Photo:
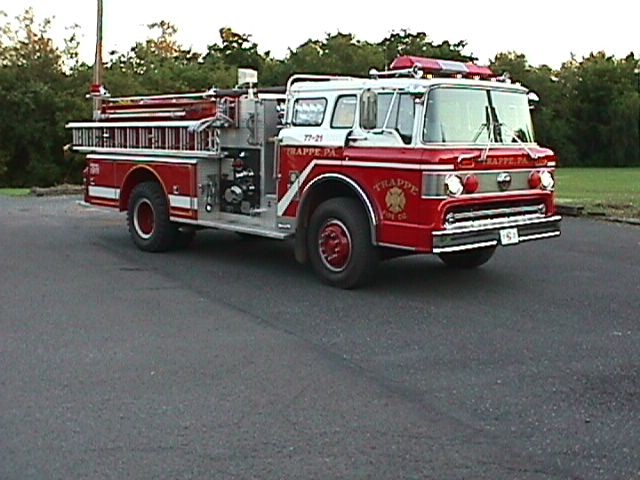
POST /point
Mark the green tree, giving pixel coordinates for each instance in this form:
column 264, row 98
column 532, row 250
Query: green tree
column 419, row 44
column 35, row 97
column 159, row 64
column 602, row 92
column 553, row 128
column 337, row 54
column 234, row 50
column 589, row 110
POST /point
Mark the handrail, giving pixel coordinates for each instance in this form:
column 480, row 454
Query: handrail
column 301, row 77
column 207, row 94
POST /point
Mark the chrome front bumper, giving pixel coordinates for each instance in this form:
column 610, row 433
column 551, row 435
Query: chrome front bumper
column 490, row 233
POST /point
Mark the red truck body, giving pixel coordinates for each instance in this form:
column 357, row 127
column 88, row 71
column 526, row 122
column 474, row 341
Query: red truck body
column 432, row 157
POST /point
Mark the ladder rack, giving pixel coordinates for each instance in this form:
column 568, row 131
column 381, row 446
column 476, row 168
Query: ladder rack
column 163, row 138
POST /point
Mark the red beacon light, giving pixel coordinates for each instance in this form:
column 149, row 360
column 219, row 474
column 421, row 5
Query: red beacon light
column 471, row 184
column 535, row 180
column 432, row 66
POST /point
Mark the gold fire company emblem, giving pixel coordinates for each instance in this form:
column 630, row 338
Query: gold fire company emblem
column 396, row 201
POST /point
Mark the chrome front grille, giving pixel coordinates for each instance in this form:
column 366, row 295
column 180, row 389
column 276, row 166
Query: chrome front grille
column 480, row 217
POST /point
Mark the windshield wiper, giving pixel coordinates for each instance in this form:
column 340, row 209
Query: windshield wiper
column 489, row 124
column 479, row 132
column 514, row 135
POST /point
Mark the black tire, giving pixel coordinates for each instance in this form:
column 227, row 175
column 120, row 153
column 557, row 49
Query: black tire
column 339, row 243
column 468, row 259
column 148, row 218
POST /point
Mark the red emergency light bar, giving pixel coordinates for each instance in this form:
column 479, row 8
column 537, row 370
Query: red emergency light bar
column 442, row 67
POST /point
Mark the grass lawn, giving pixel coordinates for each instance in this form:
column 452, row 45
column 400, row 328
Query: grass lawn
column 15, row 192
column 611, row 191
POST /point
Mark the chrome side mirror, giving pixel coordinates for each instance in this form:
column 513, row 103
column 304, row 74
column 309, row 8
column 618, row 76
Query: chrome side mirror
column 369, row 110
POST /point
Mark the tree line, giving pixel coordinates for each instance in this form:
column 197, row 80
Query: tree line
column 589, row 111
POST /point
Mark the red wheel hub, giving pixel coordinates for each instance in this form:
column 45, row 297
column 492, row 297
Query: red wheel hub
column 334, row 245
column 144, row 218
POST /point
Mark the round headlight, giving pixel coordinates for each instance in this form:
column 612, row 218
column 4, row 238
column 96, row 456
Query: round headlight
column 546, row 180
column 453, row 185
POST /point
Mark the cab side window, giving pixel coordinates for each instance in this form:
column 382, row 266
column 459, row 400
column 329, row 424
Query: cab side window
column 344, row 113
column 406, row 113
column 309, row 112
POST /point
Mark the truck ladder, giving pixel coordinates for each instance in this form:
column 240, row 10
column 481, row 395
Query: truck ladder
column 193, row 138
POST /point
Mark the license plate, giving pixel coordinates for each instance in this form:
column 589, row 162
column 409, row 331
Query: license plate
column 509, row 236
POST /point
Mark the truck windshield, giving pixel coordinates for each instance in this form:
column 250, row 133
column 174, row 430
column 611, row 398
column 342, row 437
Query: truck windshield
column 466, row 115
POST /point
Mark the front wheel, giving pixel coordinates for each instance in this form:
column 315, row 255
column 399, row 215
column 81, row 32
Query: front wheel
column 339, row 243
column 468, row 259
column 148, row 218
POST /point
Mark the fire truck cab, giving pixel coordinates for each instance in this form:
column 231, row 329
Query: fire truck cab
column 431, row 157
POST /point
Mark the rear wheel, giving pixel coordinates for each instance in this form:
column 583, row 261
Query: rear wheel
column 148, row 218
column 468, row 259
column 339, row 243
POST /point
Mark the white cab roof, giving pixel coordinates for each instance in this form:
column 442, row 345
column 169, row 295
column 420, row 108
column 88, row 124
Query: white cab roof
column 409, row 84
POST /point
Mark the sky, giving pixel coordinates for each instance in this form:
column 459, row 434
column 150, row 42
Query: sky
column 546, row 31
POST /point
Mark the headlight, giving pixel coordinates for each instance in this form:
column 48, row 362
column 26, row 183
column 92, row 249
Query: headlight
column 546, row 180
column 453, row 185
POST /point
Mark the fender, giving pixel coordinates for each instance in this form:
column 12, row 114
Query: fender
column 144, row 174
column 353, row 185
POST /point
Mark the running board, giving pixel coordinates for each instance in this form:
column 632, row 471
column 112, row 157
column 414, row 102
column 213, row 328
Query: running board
column 238, row 228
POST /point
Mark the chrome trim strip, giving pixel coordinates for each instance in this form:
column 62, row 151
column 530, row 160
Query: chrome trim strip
column 161, row 113
column 473, row 196
column 477, row 196
column 195, row 95
column 148, row 151
column 539, row 236
column 474, row 146
column 462, row 248
column 398, row 247
column 433, row 183
column 118, row 125
column 498, row 223
column 399, row 166
column 104, row 192
column 497, row 211
column 142, row 159
column 181, row 201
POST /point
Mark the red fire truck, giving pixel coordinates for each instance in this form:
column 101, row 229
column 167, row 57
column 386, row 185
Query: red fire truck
column 430, row 157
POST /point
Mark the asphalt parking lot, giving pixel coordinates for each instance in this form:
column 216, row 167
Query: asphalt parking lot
column 229, row 360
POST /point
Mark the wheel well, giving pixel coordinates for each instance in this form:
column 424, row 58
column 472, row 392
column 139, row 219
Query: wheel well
column 324, row 189
column 134, row 178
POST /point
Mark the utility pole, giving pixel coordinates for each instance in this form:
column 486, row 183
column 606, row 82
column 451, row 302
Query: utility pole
column 637, row 72
column 97, row 88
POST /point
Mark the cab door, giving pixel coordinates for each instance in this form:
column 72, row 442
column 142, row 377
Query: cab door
column 312, row 141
